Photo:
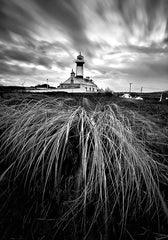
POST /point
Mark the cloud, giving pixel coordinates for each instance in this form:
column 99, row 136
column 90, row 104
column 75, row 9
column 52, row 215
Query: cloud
column 14, row 69
column 45, row 54
column 45, row 61
column 143, row 16
column 15, row 18
column 15, row 54
column 86, row 24
column 160, row 68
column 120, row 39
column 68, row 16
column 153, row 49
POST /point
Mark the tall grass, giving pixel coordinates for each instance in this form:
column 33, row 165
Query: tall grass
column 83, row 169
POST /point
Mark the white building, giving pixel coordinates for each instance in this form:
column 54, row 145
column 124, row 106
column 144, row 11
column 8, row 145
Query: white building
column 139, row 98
column 126, row 95
column 77, row 83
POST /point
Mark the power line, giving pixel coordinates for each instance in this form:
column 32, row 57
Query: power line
column 150, row 88
column 154, row 88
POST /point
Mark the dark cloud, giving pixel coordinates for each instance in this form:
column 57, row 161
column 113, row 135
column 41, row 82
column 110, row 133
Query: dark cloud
column 14, row 18
column 160, row 68
column 153, row 49
column 25, row 55
column 142, row 14
column 65, row 16
column 146, row 71
column 4, row 22
column 44, row 47
column 15, row 54
column 165, row 40
column 69, row 16
column 66, row 12
column 45, row 61
column 14, row 69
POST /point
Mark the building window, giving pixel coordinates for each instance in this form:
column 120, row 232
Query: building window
column 93, row 89
column 86, row 89
column 90, row 88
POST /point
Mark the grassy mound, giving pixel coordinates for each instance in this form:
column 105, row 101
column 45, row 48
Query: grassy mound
column 72, row 172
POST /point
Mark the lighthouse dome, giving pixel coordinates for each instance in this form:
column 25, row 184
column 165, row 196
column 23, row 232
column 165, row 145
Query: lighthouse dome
column 80, row 57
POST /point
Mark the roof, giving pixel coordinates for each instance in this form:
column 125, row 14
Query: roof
column 83, row 81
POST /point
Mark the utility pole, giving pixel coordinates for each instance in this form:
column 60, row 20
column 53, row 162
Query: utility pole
column 23, row 83
column 130, row 87
column 161, row 97
column 141, row 89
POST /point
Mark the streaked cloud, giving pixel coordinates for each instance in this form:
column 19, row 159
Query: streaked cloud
column 122, row 41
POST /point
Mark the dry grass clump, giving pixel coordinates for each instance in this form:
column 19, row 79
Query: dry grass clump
column 82, row 170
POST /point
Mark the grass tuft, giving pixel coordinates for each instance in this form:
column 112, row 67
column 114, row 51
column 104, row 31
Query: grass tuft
column 80, row 168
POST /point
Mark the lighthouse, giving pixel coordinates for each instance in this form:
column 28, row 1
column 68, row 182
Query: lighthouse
column 77, row 83
column 79, row 66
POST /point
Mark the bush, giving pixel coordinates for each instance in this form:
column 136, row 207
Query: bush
column 108, row 92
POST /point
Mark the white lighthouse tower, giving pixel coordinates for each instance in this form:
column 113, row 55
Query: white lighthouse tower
column 79, row 66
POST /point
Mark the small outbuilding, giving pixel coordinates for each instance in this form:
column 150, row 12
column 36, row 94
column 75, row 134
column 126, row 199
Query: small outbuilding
column 126, row 95
column 139, row 98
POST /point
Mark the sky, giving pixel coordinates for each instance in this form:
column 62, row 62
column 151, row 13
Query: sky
column 122, row 41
